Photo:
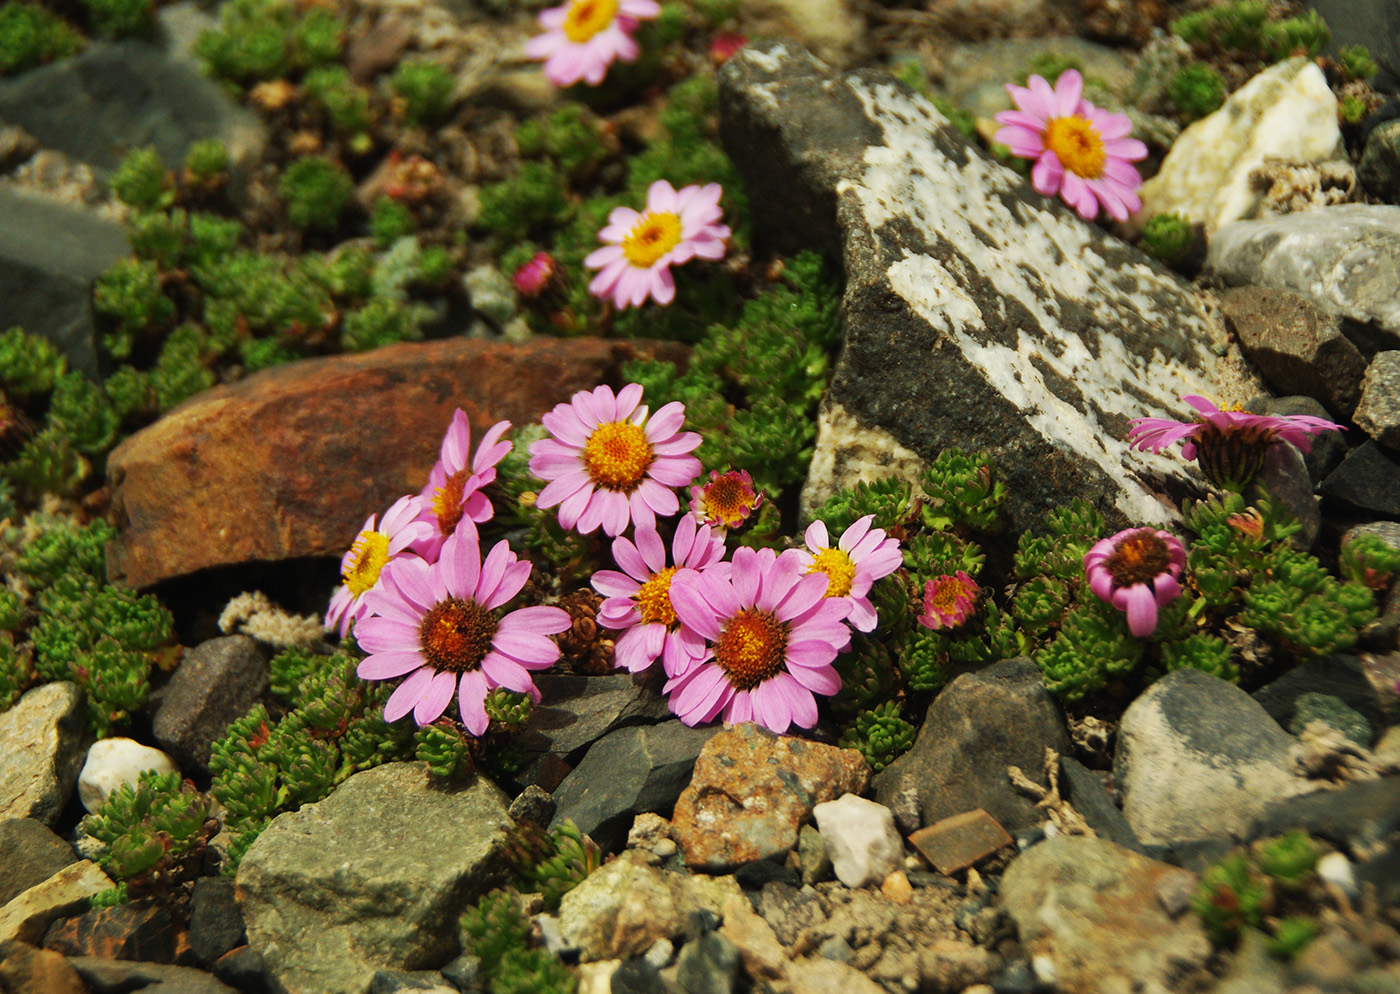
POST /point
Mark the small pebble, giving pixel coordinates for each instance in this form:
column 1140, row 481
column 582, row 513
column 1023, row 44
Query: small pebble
column 660, row 953
column 1335, row 869
column 896, row 888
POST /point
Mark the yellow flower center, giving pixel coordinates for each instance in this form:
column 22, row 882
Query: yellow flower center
column 367, row 557
column 1076, row 143
column 1138, row 558
column 585, row 18
column 839, row 569
column 447, row 502
column 946, row 594
column 456, row 634
column 752, row 648
column 654, row 598
column 617, row 455
column 651, row 237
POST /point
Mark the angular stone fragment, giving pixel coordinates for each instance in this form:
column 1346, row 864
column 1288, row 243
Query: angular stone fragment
column 959, row 841
column 28, row 916
column 1379, row 411
column 44, row 736
column 217, row 682
column 980, row 315
column 30, row 853
column 1369, row 479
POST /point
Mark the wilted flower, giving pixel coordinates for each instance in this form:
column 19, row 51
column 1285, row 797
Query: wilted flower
column 608, row 465
column 371, row 551
column 454, row 485
column 724, row 45
column 862, row 556
column 440, row 626
column 1137, row 571
column 1249, row 523
column 582, row 38
column 949, row 601
column 1228, row 445
column 676, row 226
column 536, row 276
column 1081, row 152
column 727, row 500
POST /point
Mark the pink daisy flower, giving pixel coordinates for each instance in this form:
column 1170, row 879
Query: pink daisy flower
column 1137, row 571
column 439, row 625
column 862, row 556
column 949, row 601
column 374, row 547
column 676, row 226
column 771, row 639
column 454, row 485
column 608, row 465
column 1081, row 152
column 727, row 500
column 638, row 600
column 582, row 38
column 1228, row 445
column 536, row 276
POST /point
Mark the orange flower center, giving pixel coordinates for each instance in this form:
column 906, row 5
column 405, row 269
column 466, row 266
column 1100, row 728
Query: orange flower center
column 1076, row 143
column 367, row 557
column 651, row 237
column 1138, row 558
column 585, row 18
column 447, row 502
column 752, row 648
column 654, row 598
column 727, row 500
column 947, row 591
column 456, row 634
column 839, row 570
column 617, row 455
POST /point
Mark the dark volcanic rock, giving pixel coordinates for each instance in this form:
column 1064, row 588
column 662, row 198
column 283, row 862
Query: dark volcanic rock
column 217, row 682
column 1369, row 479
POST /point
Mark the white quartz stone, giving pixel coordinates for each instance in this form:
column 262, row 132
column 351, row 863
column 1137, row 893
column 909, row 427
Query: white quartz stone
column 865, row 846
column 113, row 762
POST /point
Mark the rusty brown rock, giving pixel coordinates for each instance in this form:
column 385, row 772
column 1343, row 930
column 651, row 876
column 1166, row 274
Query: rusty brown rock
column 24, row 968
column 141, row 930
column 290, row 461
column 752, row 790
column 959, row 841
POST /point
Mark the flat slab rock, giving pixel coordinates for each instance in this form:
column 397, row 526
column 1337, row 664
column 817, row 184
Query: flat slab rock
column 980, row 315
column 291, row 461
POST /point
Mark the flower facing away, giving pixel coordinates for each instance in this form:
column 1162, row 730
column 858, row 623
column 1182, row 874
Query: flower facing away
column 724, row 45
column 454, row 484
column 608, row 464
column 440, row 627
column 373, row 548
column 862, row 556
column 1137, row 571
column 639, row 602
column 676, row 226
column 537, row 275
column 582, row 38
column 726, row 500
column 1081, row 152
column 1228, row 445
column 771, row 637
column 949, row 601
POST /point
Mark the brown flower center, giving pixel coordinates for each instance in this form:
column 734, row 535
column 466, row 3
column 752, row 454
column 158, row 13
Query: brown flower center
column 752, row 648
column 1138, row 558
column 456, row 634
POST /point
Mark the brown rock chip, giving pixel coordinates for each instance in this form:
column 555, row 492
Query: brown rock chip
column 959, row 841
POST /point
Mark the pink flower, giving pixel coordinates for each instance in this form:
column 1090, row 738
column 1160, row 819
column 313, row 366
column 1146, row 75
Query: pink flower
column 1137, row 571
column 772, row 637
column 608, row 465
column 639, row 603
column 1080, row 152
column 582, row 38
column 454, row 486
column 676, row 226
column 439, row 625
column 1228, row 445
column 862, row 556
column 948, row 601
column 374, row 547
column 536, row 276
column 726, row 500
column 724, row 45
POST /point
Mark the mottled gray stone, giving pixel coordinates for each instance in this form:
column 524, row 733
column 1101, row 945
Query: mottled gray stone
column 30, row 853
column 1373, row 23
column 1378, row 414
column 577, row 710
column 1360, row 816
column 1379, row 168
column 1342, row 676
column 45, row 738
column 110, row 975
column 1368, row 479
column 217, row 682
column 979, row 314
column 373, row 877
column 1091, row 799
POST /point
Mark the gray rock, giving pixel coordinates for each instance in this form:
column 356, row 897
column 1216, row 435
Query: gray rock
column 1284, row 478
column 104, row 975
column 1297, row 345
column 1368, row 479
column 216, row 924
column 49, row 256
column 1333, row 712
column 1379, row 168
column 364, row 880
column 1378, row 414
column 1198, row 758
column 217, row 682
column 1341, row 676
column 979, row 725
column 979, row 314
column 625, row 773
column 1358, row 817
column 394, row 981
column 1091, row 799
column 708, row 965
column 30, row 853
column 1373, row 23
column 45, row 738
column 1347, row 258
column 812, row 855
column 1091, row 917
column 576, row 710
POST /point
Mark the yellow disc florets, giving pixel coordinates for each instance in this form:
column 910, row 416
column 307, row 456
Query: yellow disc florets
column 651, row 237
column 585, row 18
column 1077, row 144
column 368, row 555
column 839, row 570
column 617, row 455
column 752, row 648
column 654, row 599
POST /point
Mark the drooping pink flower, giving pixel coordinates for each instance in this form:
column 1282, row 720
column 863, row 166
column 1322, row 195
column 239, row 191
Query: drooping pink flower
column 676, row 226
column 771, row 637
column 1081, row 152
column 638, row 600
column 374, row 547
column 608, row 465
column 727, row 500
column 1137, row 571
column 439, row 626
column 454, row 485
column 582, row 38
column 537, row 275
column 724, row 45
column 862, row 556
column 1228, row 445
column 949, row 601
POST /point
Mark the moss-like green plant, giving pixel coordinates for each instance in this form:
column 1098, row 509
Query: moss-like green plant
column 268, row 39
column 1304, row 609
column 880, row 734
column 553, row 863
column 1232, row 894
column 382, row 321
column 48, row 464
column 31, row 35
column 497, row 932
column 131, row 293
column 155, row 832
column 1167, row 237
column 17, row 673
column 961, row 490
column 207, row 161
column 1291, row 936
column 1244, row 27
column 1196, row 90
column 80, row 409
column 426, row 91
column 344, row 102
column 389, row 221
column 29, row 364
column 121, row 18
column 535, row 197
column 316, row 192
column 1092, row 649
column 142, row 181
column 572, row 137
column 445, row 751
column 1356, row 62
column 1289, row 858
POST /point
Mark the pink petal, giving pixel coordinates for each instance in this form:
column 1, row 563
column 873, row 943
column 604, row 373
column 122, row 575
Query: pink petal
column 408, row 693
column 387, row 665
column 540, row 619
column 471, row 702
column 435, row 699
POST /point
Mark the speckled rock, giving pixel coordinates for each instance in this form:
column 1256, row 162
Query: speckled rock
column 1379, row 168
column 830, row 28
column 979, row 314
column 30, row 853
column 1378, row 414
column 45, row 738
